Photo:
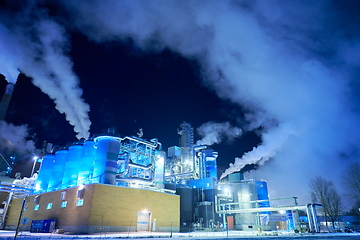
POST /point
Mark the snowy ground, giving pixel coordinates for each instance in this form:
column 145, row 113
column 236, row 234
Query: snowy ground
column 179, row 236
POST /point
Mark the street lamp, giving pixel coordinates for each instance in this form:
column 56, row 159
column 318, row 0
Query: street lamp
column 33, row 168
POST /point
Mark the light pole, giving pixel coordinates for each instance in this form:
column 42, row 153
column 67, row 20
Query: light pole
column 33, row 168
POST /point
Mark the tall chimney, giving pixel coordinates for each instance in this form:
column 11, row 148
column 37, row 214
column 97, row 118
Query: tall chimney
column 4, row 104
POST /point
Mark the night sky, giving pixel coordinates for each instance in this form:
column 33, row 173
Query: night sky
column 276, row 80
column 128, row 89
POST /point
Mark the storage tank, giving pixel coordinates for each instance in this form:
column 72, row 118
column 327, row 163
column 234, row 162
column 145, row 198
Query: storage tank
column 45, row 173
column 105, row 167
column 245, row 194
column 55, row 183
column 186, row 208
column 206, row 214
column 72, row 166
column 87, row 162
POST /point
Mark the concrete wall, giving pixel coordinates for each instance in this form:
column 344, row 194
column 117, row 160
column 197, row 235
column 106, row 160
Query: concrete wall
column 106, row 208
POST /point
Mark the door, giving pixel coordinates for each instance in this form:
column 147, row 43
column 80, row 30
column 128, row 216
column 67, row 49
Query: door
column 143, row 221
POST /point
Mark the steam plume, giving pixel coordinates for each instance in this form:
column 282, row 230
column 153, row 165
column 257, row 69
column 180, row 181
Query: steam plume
column 293, row 61
column 13, row 139
column 38, row 46
column 272, row 57
column 213, row 133
column 271, row 144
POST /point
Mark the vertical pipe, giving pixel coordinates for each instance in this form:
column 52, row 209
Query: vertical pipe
column 4, row 104
column 310, row 218
column 160, row 170
column 314, row 216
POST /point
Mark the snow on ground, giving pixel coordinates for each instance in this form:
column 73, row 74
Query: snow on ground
column 183, row 236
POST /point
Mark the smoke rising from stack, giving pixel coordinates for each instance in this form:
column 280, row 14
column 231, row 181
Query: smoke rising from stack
column 265, row 58
column 38, row 46
column 280, row 58
column 213, row 133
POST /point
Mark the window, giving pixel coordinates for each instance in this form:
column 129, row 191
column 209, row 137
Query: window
column 49, row 206
column 79, row 202
column 80, row 193
column 63, row 204
column 37, row 199
column 63, row 195
column 36, row 207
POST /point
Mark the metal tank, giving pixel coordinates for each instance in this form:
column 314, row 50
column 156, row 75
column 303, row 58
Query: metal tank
column 247, row 193
column 105, row 167
column 55, row 182
column 87, row 163
column 45, row 173
column 206, row 214
column 72, row 166
column 186, row 208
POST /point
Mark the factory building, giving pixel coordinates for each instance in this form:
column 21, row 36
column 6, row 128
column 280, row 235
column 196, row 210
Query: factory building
column 112, row 183
column 99, row 208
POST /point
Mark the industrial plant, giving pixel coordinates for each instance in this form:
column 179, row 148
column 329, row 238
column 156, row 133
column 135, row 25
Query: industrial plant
column 114, row 183
column 126, row 183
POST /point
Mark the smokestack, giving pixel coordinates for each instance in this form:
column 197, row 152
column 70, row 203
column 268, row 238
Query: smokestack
column 4, row 104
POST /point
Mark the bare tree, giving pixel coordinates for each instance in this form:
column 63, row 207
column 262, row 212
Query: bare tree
column 351, row 181
column 324, row 192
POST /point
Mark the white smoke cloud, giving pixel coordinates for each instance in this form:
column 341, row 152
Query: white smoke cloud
column 213, row 133
column 13, row 139
column 38, row 47
column 272, row 57
column 272, row 142
column 284, row 60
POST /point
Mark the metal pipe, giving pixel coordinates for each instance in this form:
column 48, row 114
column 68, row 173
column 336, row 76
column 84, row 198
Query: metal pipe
column 8, row 162
column 5, row 101
column 310, row 218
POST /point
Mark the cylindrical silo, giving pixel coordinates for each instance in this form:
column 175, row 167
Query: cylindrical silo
column 244, row 192
column 206, row 213
column 61, row 157
column 87, row 162
column 45, row 173
column 105, row 167
column 72, row 166
column 186, row 208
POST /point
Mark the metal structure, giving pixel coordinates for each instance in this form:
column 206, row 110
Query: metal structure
column 187, row 170
column 14, row 191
